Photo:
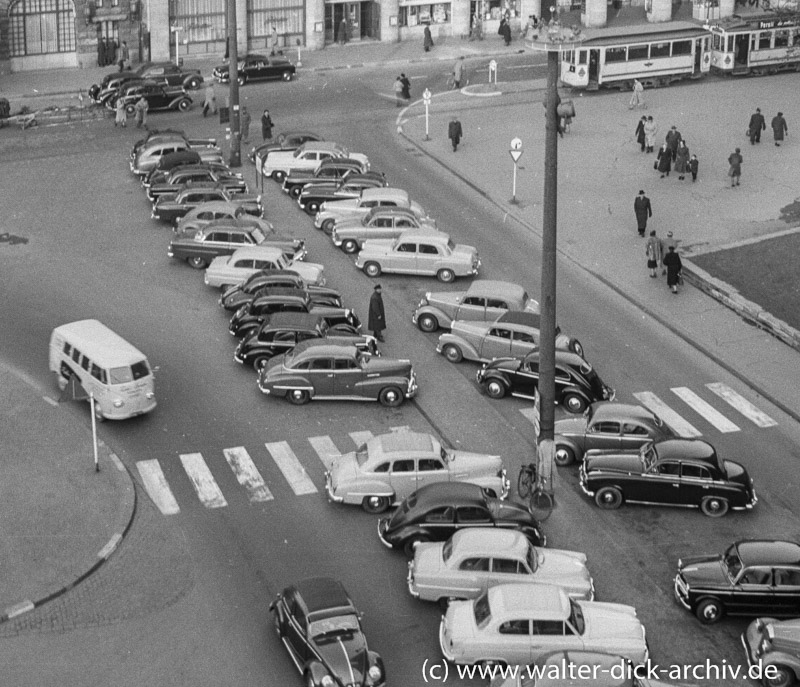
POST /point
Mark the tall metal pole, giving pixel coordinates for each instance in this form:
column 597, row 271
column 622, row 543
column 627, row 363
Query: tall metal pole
column 233, row 72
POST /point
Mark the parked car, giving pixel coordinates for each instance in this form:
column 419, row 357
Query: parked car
column 282, row 331
column 158, row 136
column 107, row 96
column 170, row 207
column 673, row 472
column 242, row 294
column 186, row 159
column 148, row 154
column 774, row 646
column 475, row 559
column 436, row 511
column 332, row 169
column 257, row 68
column 278, row 164
column 514, row 334
column 158, row 97
column 322, row 371
column 577, row 382
column 429, row 254
column 192, row 175
column 286, row 140
column 606, row 425
column 317, row 192
column 752, row 577
column 200, row 247
column 332, row 212
column 167, row 73
column 225, row 271
column 222, row 210
column 321, row 629
column 378, row 223
column 387, row 468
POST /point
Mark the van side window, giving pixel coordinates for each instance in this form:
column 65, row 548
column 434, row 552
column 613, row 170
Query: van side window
column 85, row 363
column 98, row 373
column 67, row 349
column 140, row 369
column 76, row 355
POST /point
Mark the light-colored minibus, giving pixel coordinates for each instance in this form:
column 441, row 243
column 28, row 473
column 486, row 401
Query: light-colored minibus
column 116, row 373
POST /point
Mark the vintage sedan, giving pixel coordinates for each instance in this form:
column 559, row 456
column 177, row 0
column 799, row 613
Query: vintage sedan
column 389, row 467
column 286, row 140
column 514, row 623
column 673, row 472
column 279, row 164
column 257, row 68
column 199, row 248
column 249, row 289
column 426, row 254
column 331, row 212
column 282, row 331
column 226, row 271
column 436, row 511
column 148, row 155
column 322, row 371
column 316, row 193
column 577, row 382
column 321, row 629
column 752, row 577
column 191, row 160
column 332, row 169
column 774, row 646
column 213, row 210
column 473, row 560
column 170, row 207
column 484, row 301
column 514, row 334
column 167, row 73
column 606, row 425
column 189, row 175
column 158, row 97
column 378, row 223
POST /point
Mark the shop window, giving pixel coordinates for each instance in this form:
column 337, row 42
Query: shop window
column 414, row 15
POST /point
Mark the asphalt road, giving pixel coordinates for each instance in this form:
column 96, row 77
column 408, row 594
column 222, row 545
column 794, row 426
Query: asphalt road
column 94, row 252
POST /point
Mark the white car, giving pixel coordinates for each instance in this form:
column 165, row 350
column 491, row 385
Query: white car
column 475, row 559
column 331, row 212
column 233, row 270
column 279, row 164
column 514, row 624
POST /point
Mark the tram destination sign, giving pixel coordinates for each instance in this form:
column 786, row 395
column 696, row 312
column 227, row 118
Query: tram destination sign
column 779, row 22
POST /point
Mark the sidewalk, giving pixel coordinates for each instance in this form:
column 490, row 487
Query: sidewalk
column 61, row 519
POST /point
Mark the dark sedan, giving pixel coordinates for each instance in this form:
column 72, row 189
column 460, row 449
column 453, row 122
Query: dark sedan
column 257, row 68
column 180, row 177
column 158, row 97
column 434, row 512
column 237, row 296
column 321, row 629
column 286, row 140
column 172, row 206
column 674, row 472
column 332, row 169
column 316, row 193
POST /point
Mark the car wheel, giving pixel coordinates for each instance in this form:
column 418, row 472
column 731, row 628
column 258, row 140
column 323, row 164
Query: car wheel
column 197, row 262
column 193, row 84
column 608, row 498
column 350, row 246
column 714, row 506
column 286, row 76
column 577, row 347
column 260, row 361
column 298, row 397
column 312, row 207
column 564, row 455
column 295, row 191
column 183, row 105
column 411, row 544
column 130, row 110
column 279, row 175
column 781, row 677
column 574, row 403
column 453, row 353
column 446, row 276
column 372, row 269
column 710, row 611
column 375, row 504
column 391, row 397
column 328, row 225
column 428, row 323
column 494, row 389
column 241, row 79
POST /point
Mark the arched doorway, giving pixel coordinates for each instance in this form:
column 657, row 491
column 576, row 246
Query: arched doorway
column 42, row 34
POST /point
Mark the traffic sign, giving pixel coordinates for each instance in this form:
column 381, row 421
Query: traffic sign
column 516, row 154
column 426, row 96
column 516, row 144
column 493, row 65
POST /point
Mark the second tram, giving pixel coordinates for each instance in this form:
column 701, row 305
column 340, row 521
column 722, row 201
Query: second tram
column 756, row 44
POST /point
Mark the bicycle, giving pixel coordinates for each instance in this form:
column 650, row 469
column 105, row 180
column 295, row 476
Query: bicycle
column 532, row 486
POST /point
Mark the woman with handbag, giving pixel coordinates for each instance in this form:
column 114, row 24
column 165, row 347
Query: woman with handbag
column 672, row 261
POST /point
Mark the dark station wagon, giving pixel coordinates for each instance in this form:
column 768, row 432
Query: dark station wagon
column 237, row 296
column 158, row 97
column 170, row 207
column 317, row 192
column 257, row 68
column 184, row 176
column 332, row 169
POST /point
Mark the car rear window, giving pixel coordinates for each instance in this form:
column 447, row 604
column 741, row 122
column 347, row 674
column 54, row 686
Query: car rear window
column 481, row 610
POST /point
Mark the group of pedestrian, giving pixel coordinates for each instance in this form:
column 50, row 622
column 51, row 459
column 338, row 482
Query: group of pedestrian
column 402, row 90
column 531, row 29
column 658, row 251
column 673, row 153
column 107, row 51
column 758, row 124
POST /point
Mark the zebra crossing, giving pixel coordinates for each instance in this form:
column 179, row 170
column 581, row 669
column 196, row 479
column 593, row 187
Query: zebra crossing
column 301, row 481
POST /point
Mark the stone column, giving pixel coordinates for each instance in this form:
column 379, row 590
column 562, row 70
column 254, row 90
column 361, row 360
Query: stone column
column 241, row 27
column 595, row 14
column 389, row 8
column 158, row 23
column 315, row 15
column 459, row 18
column 660, row 10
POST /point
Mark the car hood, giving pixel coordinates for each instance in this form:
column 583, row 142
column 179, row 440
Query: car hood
column 703, row 570
column 344, row 204
column 570, row 425
column 386, row 365
column 567, row 569
column 613, row 461
column 465, row 464
column 345, row 656
column 511, row 512
column 447, row 298
column 609, row 624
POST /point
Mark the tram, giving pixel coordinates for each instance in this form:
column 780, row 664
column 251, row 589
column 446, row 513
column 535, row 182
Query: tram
column 656, row 55
column 756, row 44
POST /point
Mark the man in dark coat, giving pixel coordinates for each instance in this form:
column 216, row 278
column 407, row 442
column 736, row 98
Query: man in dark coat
column 779, row 127
column 266, row 126
column 376, row 322
column 673, row 138
column 756, row 126
column 406, row 86
column 427, row 40
column 640, row 137
column 672, row 261
column 505, row 31
column 454, row 132
column 643, row 210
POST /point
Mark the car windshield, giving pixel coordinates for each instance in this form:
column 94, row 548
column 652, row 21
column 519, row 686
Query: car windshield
column 298, row 152
column 332, row 627
column 648, row 455
column 447, row 550
column 362, row 455
column 258, row 235
column 576, row 617
column 733, row 564
column 446, row 457
column 451, row 245
column 481, row 610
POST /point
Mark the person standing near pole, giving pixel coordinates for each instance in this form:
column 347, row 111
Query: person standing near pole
column 454, row 132
column 643, row 210
column 266, row 126
column 376, row 321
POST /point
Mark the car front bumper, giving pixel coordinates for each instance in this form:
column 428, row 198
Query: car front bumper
column 412, row 589
column 329, row 489
column 383, row 523
column 443, row 644
column 681, row 593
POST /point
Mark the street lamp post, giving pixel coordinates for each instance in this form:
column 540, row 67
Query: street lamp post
column 176, row 30
column 233, row 73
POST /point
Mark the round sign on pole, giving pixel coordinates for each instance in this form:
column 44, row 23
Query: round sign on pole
column 493, row 65
column 516, row 144
column 426, row 96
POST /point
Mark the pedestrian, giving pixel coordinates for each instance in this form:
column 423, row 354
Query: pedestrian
column 406, row 86
column 113, row 48
column 210, row 102
column 663, row 160
column 454, row 132
column 735, row 160
column 779, row 128
column 637, row 99
column 694, row 165
column 427, row 40
column 653, row 252
column 398, row 92
column 266, row 126
column 343, row 31
column 376, row 322
column 121, row 116
column 672, row 138
column 650, row 129
column 756, row 126
column 641, row 138
column 141, row 108
column 643, row 209
column 682, row 160
column 244, row 122
column 673, row 263
column 505, row 31
column 104, row 53
column 458, row 72
column 273, row 40
column 124, row 56
column 530, row 28
column 665, row 244
column 100, row 53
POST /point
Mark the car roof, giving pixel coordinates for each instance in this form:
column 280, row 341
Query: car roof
column 293, row 320
column 490, row 540
column 448, row 494
column 384, row 192
column 689, row 449
column 422, row 235
column 563, row 357
column 216, row 206
column 390, row 210
column 527, row 319
column 322, row 593
column 768, row 551
column 405, row 441
column 604, row 410
column 323, row 347
column 544, row 601
column 493, row 287
column 322, row 145
column 260, row 252
column 341, row 162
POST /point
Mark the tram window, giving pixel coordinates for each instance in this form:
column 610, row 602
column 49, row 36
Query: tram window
column 682, row 48
column 582, row 56
column 764, row 40
column 716, row 42
column 568, row 56
column 781, row 39
column 637, row 52
column 615, row 55
column 659, row 50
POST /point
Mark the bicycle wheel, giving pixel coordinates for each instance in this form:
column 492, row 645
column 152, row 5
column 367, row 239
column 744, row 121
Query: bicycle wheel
column 524, row 482
column 541, row 504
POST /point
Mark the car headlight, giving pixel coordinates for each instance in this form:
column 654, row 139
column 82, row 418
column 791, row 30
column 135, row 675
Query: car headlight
column 327, row 681
column 118, row 403
column 374, row 673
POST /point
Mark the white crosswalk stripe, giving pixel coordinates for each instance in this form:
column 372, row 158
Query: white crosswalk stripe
column 361, row 437
column 710, row 413
column 292, row 469
column 680, row 426
column 155, row 484
column 325, row 449
column 741, row 404
column 202, row 480
column 247, row 474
